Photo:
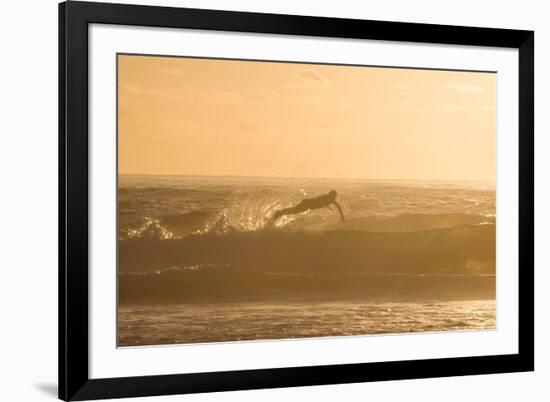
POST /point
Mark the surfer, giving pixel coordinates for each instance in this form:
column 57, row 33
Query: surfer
column 309, row 204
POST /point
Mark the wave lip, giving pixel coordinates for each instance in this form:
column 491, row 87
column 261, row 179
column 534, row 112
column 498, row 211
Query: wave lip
column 251, row 219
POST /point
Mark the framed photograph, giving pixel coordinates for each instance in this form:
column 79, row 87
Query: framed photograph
column 257, row 201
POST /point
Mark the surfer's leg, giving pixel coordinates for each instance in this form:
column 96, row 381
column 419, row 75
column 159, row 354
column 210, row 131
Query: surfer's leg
column 277, row 215
column 285, row 211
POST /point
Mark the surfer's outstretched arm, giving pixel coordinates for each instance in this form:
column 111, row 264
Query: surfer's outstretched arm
column 339, row 210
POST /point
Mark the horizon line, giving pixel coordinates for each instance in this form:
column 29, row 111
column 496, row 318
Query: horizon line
column 301, row 177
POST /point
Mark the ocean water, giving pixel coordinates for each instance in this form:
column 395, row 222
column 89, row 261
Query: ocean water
column 200, row 261
column 164, row 324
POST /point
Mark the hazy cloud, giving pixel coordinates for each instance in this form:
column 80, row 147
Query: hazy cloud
column 173, row 71
column 462, row 88
column 403, row 87
column 256, row 97
column 308, row 79
column 309, row 76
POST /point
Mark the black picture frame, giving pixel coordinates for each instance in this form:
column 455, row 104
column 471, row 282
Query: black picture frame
column 74, row 381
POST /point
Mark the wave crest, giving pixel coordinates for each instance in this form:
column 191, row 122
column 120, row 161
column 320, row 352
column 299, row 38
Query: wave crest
column 151, row 228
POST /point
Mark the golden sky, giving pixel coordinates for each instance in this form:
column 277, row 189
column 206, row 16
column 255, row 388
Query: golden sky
column 220, row 117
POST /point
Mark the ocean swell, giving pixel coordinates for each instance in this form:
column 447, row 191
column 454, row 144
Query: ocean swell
column 223, row 283
column 461, row 249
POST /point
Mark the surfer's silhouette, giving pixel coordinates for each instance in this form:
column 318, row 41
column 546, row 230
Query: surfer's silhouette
column 309, row 204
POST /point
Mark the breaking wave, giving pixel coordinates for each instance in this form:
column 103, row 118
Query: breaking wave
column 461, row 249
column 204, row 238
column 257, row 219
